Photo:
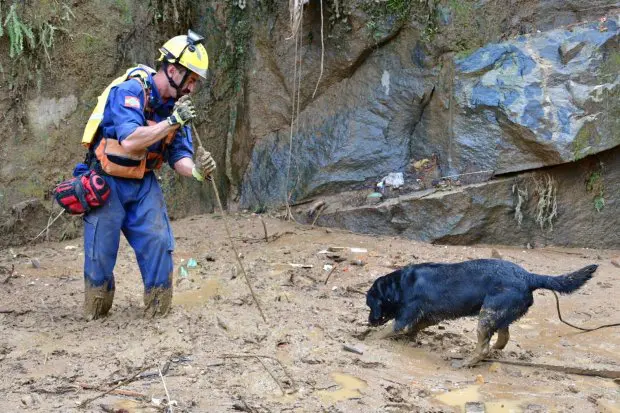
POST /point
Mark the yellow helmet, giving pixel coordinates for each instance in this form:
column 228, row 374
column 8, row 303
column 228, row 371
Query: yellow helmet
column 188, row 52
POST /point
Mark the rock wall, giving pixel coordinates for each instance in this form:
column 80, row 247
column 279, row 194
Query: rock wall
column 499, row 87
column 533, row 101
column 573, row 205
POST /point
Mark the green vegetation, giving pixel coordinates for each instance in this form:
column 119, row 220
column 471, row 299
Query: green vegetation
column 384, row 15
column 585, row 139
column 233, row 59
column 32, row 33
column 16, row 30
column 595, row 185
column 123, row 7
column 611, row 65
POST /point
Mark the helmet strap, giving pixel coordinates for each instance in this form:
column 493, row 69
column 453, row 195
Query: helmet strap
column 177, row 87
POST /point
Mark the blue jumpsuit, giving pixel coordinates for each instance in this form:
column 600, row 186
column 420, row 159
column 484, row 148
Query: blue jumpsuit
column 135, row 206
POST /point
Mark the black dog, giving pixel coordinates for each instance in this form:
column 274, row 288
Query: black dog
column 500, row 292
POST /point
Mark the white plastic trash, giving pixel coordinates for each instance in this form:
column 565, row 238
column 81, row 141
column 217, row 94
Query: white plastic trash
column 394, row 179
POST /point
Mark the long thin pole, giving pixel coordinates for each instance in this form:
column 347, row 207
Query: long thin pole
column 232, row 243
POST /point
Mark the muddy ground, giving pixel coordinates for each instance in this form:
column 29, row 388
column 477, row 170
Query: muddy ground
column 52, row 360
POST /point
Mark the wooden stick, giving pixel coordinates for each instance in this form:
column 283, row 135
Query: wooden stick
column 49, row 219
column 318, row 214
column 48, row 225
column 166, row 389
column 111, row 389
column 16, row 312
column 264, row 228
column 232, row 243
column 48, row 311
column 330, row 274
column 607, row 374
column 258, row 357
column 271, row 374
column 120, row 392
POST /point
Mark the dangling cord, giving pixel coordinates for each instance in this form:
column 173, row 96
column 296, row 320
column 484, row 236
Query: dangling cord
column 557, row 306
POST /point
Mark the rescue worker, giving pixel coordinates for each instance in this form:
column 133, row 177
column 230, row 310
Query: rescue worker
column 144, row 123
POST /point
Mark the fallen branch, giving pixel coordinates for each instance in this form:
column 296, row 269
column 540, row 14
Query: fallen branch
column 166, row 389
column 16, row 312
column 273, row 237
column 318, row 214
column 353, row 290
column 322, row 53
column 259, row 358
column 141, row 376
column 119, row 392
column 330, row 274
column 113, row 388
column 271, row 374
column 308, row 276
column 264, row 228
column 303, row 202
column 608, row 374
column 48, row 226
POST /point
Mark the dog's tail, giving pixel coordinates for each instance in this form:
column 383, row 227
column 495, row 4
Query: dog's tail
column 564, row 284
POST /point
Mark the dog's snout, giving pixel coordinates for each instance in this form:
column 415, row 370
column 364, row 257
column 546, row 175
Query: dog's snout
column 376, row 321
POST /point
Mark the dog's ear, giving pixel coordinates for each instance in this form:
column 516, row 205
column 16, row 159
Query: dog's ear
column 389, row 287
column 373, row 300
column 382, row 298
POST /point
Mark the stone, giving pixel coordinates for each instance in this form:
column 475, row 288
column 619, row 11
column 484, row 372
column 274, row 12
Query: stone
column 474, row 407
column 486, row 212
column 533, row 101
column 570, row 49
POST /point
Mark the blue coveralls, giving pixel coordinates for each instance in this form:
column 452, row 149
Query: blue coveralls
column 135, row 206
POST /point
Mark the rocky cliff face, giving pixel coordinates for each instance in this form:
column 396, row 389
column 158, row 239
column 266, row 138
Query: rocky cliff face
column 479, row 91
column 546, row 97
column 574, row 204
column 532, row 101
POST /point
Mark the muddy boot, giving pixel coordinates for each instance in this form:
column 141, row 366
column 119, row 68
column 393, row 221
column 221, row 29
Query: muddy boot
column 97, row 301
column 157, row 302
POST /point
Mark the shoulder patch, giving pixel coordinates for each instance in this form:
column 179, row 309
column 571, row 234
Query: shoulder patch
column 132, row 102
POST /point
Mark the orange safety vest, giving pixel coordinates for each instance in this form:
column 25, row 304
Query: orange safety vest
column 117, row 161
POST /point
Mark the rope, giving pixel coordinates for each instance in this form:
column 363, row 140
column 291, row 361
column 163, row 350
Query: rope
column 322, row 53
column 557, row 306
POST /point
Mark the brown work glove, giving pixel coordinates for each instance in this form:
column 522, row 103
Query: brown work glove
column 182, row 112
column 204, row 165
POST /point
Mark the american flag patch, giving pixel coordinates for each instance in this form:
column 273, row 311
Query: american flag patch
column 132, row 102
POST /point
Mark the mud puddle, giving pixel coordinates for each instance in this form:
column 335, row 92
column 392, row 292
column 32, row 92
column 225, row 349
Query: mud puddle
column 349, row 388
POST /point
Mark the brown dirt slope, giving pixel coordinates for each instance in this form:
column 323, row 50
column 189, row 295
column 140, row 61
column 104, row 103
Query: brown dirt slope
column 51, row 359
